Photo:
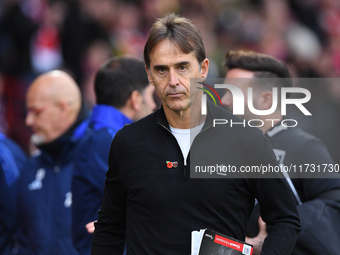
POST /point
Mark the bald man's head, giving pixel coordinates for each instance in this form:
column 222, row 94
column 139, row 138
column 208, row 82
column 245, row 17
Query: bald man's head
column 53, row 103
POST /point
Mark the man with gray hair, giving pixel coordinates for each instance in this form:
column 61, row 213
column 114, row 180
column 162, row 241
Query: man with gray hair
column 151, row 202
column 55, row 116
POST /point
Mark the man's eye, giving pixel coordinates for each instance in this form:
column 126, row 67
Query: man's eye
column 161, row 70
column 35, row 112
column 182, row 67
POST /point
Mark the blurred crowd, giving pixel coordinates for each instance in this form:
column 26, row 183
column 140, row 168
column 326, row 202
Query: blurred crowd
column 77, row 36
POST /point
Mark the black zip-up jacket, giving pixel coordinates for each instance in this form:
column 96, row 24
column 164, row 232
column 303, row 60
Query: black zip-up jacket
column 294, row 147
column 154, row 208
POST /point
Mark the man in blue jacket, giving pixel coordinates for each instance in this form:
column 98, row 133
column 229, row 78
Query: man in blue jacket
column 123, row 94
column 12, row 160
column 54, row 114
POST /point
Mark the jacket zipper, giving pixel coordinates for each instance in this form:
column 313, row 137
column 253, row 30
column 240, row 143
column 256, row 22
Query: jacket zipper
column 184, row 159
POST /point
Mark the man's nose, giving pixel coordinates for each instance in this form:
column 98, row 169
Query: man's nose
column 173, row 79
column 29, row 119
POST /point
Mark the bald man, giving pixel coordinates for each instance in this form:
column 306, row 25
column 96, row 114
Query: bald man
column 53, row 102
column 54, row 114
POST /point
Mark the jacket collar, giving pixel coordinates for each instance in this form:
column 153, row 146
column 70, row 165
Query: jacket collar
column 161, row 118
column 278, row 128
column 61, row 146
column 212, row 113
column 105, row 116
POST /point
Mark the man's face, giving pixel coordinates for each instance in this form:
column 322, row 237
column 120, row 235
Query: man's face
column 148, row 104
column 43, row 116
column 170, row 72
column 242, row 79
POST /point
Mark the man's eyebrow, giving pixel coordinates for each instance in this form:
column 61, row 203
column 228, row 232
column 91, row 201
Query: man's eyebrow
column 182, row 63
column 157, row 67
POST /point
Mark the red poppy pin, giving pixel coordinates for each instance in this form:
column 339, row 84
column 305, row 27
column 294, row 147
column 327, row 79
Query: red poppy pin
column 170, row 164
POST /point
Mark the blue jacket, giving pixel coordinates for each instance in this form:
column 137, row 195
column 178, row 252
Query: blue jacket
column 90, row 169
column 45, row 199
column 12, row 160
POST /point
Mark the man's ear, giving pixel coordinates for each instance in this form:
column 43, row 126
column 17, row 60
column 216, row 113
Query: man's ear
column 136, row 100
column 63, row 106
column 149, row 75
column 204, row 68
column 265, row 100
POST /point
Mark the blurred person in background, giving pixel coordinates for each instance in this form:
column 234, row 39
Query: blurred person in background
column 292, row 146
column 38, row 36
column 123, row 95
column 95, row 55
column 55, row 115
column 12, row 161
column 3, row 122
